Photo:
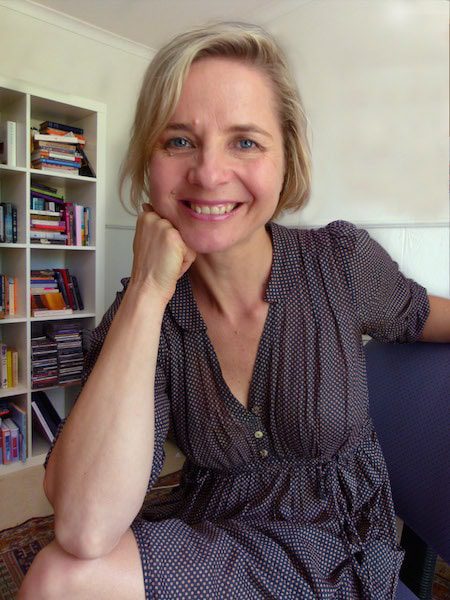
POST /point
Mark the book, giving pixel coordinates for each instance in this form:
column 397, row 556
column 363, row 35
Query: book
column 3, row 366
column 68, row 285
column 52, row 161
column 19, row 416
column 14, row 439
column 52, row 313
column 2, row 223
column 8, row 143
column 77, row 292
column 41, row 423
column 86, row 170
column 53, row 131
column 46, row 193
column 15, row 367
column 9, row 368
column 66, row 139
column 42, row 186
column 14, row 224
column 8, row 229
column 61, row 126
column 47, row 410
column 6, row 443
column 46, row 213
column 51, row 235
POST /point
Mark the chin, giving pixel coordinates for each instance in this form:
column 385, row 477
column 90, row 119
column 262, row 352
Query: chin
column 207, row 244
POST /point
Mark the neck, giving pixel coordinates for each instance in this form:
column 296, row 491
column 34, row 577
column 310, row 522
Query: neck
column 233, row 282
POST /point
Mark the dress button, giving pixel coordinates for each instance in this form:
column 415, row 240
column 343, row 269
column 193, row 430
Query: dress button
column 263, row 453
column 259, row 435
column 256, row 410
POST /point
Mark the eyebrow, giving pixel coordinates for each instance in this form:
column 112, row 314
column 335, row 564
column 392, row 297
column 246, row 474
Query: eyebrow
column 245, row 128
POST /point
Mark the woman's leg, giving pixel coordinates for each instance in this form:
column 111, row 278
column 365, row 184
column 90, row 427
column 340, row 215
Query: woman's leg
column 55, row 574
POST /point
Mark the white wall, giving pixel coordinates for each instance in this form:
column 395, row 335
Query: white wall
column 374, row 78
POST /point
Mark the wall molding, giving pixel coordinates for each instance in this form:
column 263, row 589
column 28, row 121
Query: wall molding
column 415, row 225
column 78, row 27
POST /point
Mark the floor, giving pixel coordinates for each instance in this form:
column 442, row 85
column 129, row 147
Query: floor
column 22, row 495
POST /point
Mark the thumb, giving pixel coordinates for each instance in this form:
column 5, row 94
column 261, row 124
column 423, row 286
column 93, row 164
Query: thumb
column 188, row 259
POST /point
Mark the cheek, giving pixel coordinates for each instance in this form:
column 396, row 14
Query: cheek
column 161, row 180
column 267, row 179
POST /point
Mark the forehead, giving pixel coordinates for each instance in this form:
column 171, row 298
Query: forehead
column 227, row 89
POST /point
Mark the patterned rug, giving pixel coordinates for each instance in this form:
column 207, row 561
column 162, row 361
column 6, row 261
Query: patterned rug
column 19, row 545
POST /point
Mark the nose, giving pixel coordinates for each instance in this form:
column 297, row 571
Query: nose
column 209, row 168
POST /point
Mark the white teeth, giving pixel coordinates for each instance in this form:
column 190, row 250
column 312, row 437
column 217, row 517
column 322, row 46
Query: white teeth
column 219, row 209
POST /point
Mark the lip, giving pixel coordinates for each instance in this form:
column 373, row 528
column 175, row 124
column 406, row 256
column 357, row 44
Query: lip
column 202, row 217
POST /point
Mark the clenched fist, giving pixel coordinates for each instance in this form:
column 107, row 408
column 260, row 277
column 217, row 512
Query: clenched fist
column 160, row 255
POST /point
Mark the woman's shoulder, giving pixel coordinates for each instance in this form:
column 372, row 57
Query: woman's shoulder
column 336, row 234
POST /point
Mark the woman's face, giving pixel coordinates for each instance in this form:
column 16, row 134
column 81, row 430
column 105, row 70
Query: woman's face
column 217, row 170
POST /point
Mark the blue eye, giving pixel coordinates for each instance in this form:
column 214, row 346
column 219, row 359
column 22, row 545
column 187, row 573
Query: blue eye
column 178, row 142
column 247, row 144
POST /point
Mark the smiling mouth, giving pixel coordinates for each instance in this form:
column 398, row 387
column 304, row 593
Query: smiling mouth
column 216, row 209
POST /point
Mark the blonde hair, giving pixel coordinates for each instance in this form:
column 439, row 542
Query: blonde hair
column 161, row 90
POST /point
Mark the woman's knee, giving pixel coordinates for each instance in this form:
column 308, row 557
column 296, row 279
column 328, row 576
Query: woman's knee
column 52, row 574
column 56, row 575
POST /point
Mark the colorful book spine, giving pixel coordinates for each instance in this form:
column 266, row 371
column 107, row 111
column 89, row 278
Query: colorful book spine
column 6, row 443
column 3, row 366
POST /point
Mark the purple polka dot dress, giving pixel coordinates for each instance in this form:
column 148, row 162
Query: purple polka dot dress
column 290, row 497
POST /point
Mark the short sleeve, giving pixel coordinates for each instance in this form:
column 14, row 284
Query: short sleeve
column 389, row 306
column 94, row 344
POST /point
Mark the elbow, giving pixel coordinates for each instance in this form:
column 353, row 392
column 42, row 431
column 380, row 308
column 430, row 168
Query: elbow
column 82, row 543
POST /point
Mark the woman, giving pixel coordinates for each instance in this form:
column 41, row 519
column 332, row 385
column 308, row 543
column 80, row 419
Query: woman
column 245, row 338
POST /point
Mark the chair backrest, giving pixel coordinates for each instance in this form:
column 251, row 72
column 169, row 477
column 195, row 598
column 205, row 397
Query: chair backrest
column 409, row 396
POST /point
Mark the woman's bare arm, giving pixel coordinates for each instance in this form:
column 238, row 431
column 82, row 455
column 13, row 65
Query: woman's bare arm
column 437, row 326
column 97, row 474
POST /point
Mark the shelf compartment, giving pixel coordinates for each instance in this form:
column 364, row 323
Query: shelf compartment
column 82, row 265
column 19, row 400
column 43, row 109
column 13, row 107
column 14, row 335
column 63, row 399
column 13, row 185
column 79, row 190
column 13, row 264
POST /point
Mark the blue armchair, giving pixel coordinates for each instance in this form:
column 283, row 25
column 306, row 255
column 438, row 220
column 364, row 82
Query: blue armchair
column 409, row 395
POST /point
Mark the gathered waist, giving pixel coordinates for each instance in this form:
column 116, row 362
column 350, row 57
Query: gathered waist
column 276, row 463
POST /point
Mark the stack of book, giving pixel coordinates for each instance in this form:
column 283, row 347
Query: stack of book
column 13, row 433
column 8, row 223
column 45, row 416
column 8, row 296
column 47, row 215
column 55, row 148
column 9, row 367
column 44, row 362
column 46, row 297
column 70, row 352
column 54, row 292
column 54, row 221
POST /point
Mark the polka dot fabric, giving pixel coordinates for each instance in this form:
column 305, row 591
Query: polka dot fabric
column 289, row 497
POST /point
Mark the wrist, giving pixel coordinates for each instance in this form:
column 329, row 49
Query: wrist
column 146, row 293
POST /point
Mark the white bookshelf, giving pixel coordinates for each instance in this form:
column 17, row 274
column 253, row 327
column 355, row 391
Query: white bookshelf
column 29, row 106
